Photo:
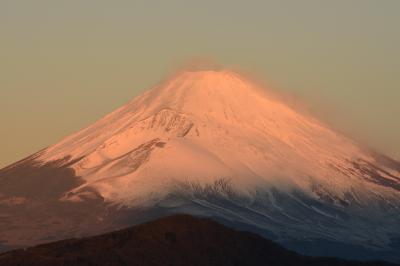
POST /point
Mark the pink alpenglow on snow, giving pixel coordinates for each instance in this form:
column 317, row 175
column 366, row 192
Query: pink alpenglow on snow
column 202, row 126
column 209, row 143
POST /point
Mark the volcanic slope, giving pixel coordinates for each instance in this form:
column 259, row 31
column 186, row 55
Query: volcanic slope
column 213, row 143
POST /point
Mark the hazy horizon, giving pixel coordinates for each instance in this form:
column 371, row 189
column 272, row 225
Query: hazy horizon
column 66, row 64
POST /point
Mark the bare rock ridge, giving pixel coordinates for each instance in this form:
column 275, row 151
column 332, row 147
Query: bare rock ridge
column 214, row 144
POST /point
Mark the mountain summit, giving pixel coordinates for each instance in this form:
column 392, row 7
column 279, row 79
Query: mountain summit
column 213, row 143
column 209, row 125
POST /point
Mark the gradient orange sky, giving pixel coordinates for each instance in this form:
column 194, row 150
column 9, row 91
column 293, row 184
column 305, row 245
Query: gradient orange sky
column 64, row 64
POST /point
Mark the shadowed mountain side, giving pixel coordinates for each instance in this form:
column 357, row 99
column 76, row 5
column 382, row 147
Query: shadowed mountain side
column 31, row 211
column 174, row 240
column 30, row 179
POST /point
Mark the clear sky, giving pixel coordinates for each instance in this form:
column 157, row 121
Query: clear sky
column 64, row 64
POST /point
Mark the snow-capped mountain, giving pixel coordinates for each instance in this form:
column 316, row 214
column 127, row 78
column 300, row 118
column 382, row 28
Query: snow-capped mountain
column 213, row 143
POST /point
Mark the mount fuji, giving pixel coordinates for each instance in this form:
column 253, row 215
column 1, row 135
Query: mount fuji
column 213, row 144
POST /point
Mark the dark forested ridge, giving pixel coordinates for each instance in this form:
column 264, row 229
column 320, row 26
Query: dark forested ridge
column 175, row 240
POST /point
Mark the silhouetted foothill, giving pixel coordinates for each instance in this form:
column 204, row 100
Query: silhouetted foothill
column 175, row 240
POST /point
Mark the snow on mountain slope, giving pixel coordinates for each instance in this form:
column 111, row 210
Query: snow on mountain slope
column 210, row 143
column 207, row 125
